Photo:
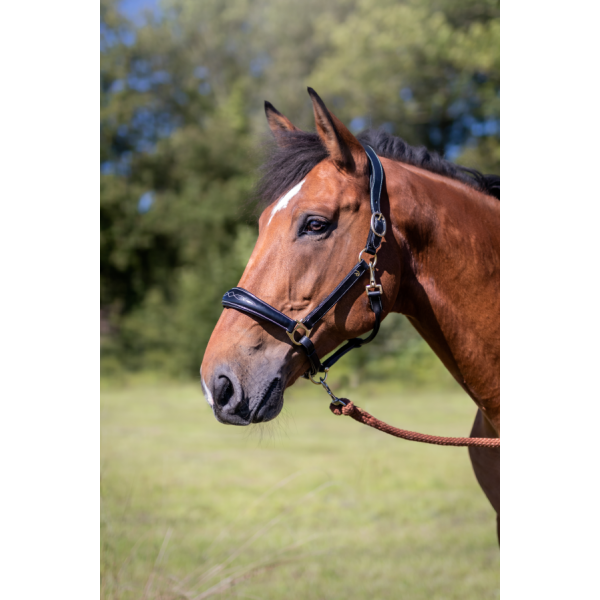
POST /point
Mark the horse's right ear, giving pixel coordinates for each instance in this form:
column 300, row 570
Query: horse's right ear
column 277, row 122
column 344, row 149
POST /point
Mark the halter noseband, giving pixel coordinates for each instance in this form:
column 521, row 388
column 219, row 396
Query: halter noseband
column 244, row 301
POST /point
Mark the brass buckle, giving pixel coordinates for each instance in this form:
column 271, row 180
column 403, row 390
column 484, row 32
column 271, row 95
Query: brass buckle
column 299, row 325
column 374, row 287
column 379, row 216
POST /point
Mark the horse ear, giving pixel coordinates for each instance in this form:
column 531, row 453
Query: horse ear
column 344, row 149
column 277, row 122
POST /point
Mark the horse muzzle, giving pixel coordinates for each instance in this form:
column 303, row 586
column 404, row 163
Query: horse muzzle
column 260, row 399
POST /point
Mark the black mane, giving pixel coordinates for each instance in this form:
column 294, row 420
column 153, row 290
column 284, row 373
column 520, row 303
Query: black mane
column 287, row 165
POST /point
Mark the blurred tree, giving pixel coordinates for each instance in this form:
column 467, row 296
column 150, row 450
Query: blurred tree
column 176, row 170
column 182, row 112
column 427, row 70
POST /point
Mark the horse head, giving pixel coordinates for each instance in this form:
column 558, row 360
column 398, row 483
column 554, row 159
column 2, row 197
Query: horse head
column 310, row 236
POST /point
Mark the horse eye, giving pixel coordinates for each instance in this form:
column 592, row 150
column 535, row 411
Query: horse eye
column 315, row 226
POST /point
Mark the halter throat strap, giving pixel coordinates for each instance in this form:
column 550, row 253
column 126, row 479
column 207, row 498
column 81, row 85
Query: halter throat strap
column 246, row 302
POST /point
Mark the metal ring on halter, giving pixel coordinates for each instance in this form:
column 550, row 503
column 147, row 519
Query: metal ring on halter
column 379, row 216
column 299, row 325
column 322, row 379
column 373, row 260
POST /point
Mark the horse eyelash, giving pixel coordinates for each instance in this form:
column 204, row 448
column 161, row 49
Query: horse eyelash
column 306, row 221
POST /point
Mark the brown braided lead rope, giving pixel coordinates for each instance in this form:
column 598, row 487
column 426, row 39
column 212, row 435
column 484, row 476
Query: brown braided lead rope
column 362, row 416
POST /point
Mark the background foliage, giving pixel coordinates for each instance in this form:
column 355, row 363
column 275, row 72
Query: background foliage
column 182, row 117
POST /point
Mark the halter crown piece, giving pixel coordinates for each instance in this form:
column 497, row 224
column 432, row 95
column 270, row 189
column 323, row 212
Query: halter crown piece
column 242, row 300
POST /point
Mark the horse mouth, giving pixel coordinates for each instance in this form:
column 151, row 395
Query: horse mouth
column 270, row 404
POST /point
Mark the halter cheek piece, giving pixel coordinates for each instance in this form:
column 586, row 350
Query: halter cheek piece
column 244, row 301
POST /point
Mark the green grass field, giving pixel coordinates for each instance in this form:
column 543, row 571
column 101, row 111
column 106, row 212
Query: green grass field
column 308, row 506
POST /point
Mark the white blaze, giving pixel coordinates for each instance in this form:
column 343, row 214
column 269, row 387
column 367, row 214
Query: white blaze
column 283, row 201
column 205, row 390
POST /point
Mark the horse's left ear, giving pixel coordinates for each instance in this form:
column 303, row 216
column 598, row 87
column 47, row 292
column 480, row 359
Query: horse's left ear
column 278, row 123
column 344, row 149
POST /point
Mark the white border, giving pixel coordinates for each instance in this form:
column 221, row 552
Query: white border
column 49, row 256
column 550, row 210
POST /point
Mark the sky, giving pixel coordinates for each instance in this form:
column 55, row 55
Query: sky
column 133, row 8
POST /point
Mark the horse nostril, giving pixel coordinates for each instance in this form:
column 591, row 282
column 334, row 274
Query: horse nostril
column 223, row 390
column 229, row 403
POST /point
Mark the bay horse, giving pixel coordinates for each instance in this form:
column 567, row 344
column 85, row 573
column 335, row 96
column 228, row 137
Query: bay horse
column 439, row 264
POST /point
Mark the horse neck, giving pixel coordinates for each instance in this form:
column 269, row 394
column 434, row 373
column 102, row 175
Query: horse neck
column 448, row 240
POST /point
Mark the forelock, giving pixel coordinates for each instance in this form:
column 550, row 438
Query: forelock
column 287, row 163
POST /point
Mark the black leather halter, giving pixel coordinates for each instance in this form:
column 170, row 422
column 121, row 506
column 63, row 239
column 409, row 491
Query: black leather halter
column 244, row 301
